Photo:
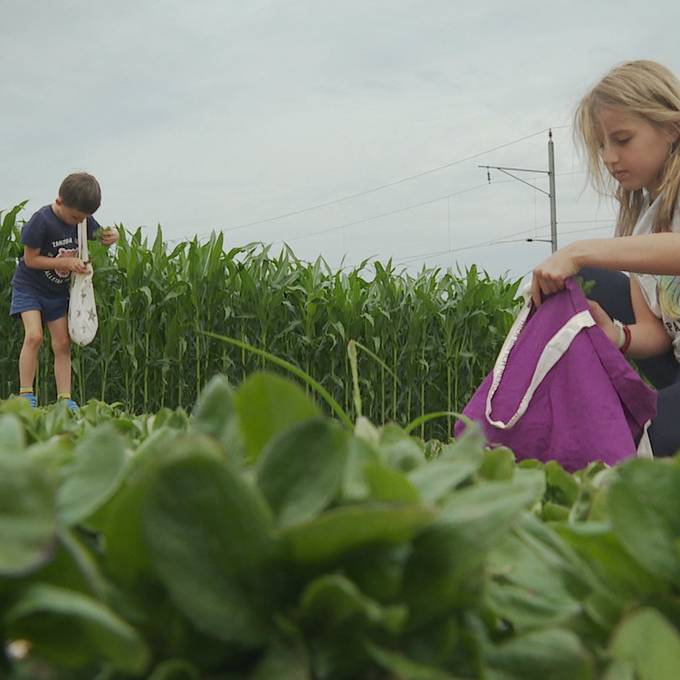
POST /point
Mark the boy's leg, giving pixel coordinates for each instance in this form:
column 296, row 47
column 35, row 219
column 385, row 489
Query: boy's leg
column 612, row 292
column 28, row 358
column 61, row 346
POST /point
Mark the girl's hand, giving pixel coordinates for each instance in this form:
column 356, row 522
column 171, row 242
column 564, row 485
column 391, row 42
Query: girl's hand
column 549, row 276
column 108, row 236
column 604, row 322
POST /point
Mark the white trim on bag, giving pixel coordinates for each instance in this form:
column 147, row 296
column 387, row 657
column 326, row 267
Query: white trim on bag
column 551, row 354
column 83, row 253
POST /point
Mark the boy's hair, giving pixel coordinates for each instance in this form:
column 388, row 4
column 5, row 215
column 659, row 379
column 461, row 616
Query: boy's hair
column 649, row 91
column 81, row 191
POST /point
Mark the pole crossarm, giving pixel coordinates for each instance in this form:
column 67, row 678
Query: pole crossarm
column 550, row 194
column 502, row 167
column 509, row 174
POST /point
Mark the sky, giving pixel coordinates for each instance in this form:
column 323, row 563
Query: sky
column 218, row 115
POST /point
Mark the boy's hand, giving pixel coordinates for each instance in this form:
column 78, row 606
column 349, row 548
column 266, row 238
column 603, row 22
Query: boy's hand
column 108, row 236
column 74, row 264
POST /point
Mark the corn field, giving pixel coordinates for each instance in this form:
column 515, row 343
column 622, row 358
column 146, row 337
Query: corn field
column 426, row 340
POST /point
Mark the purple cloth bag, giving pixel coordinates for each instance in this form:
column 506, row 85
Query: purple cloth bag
column 561, row 390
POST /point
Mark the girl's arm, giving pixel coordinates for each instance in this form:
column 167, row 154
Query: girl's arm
column 645, row 254
column 648, row 336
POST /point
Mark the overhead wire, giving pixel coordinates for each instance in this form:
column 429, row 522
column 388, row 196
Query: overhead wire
column 387, row 185
column 492, row 242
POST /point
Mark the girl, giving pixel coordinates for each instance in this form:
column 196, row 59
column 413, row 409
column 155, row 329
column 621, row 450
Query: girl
column 629, row 128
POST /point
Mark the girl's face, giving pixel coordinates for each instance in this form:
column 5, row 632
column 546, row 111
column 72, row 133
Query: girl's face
column 633, row 150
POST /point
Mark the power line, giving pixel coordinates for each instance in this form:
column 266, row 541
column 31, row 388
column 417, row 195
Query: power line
column 481, row 244
column 404, row 209
column 387, row 214
column 389, row 184
column 493, row 242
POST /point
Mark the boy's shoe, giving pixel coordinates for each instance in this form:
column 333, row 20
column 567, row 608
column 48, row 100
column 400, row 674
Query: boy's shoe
column 30, row 398
column 72, row 406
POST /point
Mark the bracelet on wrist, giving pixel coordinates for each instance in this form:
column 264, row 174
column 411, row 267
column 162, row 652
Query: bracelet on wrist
column 626, row 343
column 622, row 334
column 623, row 342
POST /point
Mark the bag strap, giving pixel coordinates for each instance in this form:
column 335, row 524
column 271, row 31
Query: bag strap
column 82, row 241
column 551, row 354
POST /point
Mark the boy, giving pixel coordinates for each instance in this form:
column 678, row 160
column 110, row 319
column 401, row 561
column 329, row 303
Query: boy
column 40, row 286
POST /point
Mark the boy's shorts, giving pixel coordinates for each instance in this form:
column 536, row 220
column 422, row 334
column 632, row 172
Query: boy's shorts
column 25, row 301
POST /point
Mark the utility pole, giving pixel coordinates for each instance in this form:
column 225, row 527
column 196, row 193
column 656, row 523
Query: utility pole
column 553, row 205
column 550, row 194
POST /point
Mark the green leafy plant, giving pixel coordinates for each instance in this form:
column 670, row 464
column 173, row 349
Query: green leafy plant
column 260, row 539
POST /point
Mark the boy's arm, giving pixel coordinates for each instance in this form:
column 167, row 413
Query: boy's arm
column 34, row 260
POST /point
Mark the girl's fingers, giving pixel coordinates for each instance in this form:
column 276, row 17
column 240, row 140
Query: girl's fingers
column 547, row 285
column 535, row 291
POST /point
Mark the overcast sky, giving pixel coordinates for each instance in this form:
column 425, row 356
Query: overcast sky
column 214, row 114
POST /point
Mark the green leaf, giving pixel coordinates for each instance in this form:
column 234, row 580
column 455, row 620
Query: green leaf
column 405, row 668
column 554, row 653
column 282, row 661
column 484, row 511
column 527, row 590
column 552, row 512
column 378, row 570
column 28, row 518
column 597, row 543
column 648, row 641
column 434, row 480
column 359, row 454
column 389, row 485
column 498, row 464
column 96, row 473
column 209, row 538
column 344, row 529
column 332, row 600
column 12, row 438
column 399, row 450
column 562, row 487
column 267, row 405
column 127, row 549
column 642, row 505
column 300, row 471
column 620, row 670
column 53, row 619
column 215, row 414
column 468, row 448
column 175, row 669
column 444, row 568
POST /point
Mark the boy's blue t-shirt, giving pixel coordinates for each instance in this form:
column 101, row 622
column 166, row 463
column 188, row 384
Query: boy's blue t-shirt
column 56, row 239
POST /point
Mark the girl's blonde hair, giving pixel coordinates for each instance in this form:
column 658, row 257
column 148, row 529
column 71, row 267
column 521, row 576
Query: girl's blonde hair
column 651, row 92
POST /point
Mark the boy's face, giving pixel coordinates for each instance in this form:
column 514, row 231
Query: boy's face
column 68, row 215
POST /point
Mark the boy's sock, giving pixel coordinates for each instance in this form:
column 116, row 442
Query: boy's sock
column 27, row 393
column 64, row 395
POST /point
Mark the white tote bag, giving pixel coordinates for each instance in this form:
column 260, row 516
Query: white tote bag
column 82, row 311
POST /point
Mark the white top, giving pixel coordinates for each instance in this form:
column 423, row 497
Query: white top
column 662, row 292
